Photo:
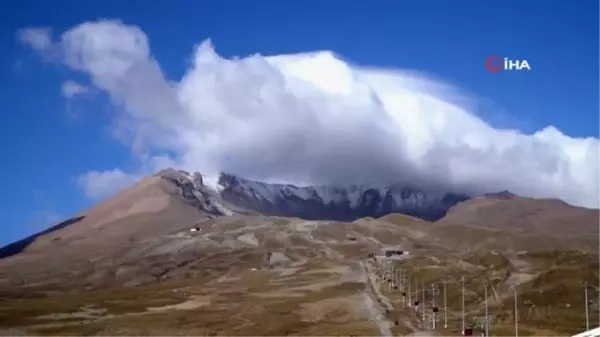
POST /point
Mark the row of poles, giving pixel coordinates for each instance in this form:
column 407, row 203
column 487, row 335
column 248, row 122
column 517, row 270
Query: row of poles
column 399, row 279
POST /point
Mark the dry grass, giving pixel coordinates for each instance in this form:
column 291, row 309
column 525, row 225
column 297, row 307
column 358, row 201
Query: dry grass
column 551, row 302
column 233, row 309
column 315, row 292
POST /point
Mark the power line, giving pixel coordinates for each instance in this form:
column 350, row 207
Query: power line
column 462, row 282
column 418, row 304
column 445, row 308
column 409, row 293
column 516, row 309
column 587, row 310
column 400, row 279
column 402, row 286
column 390, row 273
column 486, row 327
column 423, row 300
column 433, row 291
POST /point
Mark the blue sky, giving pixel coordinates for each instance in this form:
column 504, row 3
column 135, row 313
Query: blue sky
column 45, row 147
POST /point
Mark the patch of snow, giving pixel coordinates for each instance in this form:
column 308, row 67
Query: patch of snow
column 516, row 279
column 306, row 226
column 287, row 271
column 278, row 257
column 222, row 208
column 259, row 190
column 212, row 182
column 331, row 194
column 230, row 243
column 193, row 303
column 382, row 190
column 353, row 194
column 403, row 198
column 249, row 239
column 304, row 193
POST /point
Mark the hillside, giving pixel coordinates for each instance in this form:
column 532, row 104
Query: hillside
column 343, row 203
column 170, row 256
column 153, row 207
column 525, row 215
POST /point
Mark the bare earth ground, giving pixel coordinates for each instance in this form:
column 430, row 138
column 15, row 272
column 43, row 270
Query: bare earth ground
column 255, row 275
column 208, row 308
column 306, row 287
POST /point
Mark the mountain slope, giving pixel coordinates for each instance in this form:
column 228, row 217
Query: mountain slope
column 526, row 215
column 173, row 255
column 155, row 206
column 152, row 196
column 174, row 201
column 344, row 203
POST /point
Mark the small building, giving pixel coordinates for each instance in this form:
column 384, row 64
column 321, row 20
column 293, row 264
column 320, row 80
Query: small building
column 392, row 251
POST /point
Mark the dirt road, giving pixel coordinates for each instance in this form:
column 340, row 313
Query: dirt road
column 372, row 298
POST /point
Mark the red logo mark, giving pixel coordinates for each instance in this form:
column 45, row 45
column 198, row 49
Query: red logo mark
column 494, row 63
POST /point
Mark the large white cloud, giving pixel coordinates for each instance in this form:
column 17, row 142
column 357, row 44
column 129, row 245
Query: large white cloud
column 313, row 118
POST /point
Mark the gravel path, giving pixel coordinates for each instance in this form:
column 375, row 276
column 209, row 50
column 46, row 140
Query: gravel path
column 374, row 309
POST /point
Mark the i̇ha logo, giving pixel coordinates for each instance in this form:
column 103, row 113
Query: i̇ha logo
column 496, row 63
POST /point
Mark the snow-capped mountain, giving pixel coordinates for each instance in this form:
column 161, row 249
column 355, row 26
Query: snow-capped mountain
column 193, row 190
column 231, row 194
column 333, row 202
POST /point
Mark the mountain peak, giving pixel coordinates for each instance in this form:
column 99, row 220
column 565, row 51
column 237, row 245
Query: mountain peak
column 328, row 202
column 167, row 172
column 501, row 195
column 180, row 175
column 322, row 202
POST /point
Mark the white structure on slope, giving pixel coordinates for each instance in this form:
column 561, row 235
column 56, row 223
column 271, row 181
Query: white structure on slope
column 590, row 333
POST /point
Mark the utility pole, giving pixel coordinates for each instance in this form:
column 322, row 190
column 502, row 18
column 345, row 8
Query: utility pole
column 587, row 311
column 401, row 286
column 409, row 293
column 423, row 299
column 516, row 311
column 416, row 303
column 462, row 282
column 400, row 279
column 433, row 291
column 485, row 329
column 405, row 278
column 390, row 277
column 445, row 308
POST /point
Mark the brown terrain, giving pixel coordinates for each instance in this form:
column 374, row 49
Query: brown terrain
column 132, row 265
